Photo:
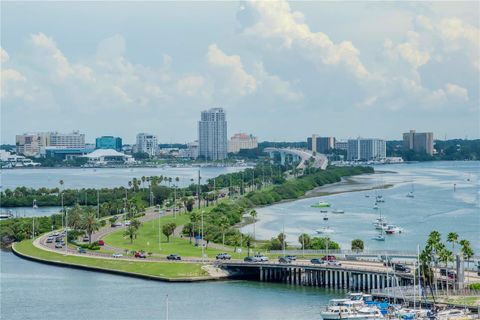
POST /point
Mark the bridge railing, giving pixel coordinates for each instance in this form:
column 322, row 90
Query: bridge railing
column 379, row 253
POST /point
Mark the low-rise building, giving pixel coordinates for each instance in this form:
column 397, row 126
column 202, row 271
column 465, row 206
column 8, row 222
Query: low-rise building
column 191, row 152
column 102, row 157
column 9, row 160
column 241, row 141
column 108, row 142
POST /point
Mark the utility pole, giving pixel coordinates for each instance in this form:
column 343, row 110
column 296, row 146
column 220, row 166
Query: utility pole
column 198, row 189
column 98, row 204
column 203, row 241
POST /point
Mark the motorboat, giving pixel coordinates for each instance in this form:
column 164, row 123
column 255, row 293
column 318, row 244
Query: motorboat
column 367, row 196
column 338, row 211
column 6, row 215
column 375, row 206
column 325, row 218
column 348, row 312
column 380, row 198
column 410, row 195
column 323, row 211
column 379, row 237
column 321, row 204
column 325, row 230
column 392, row 229
column 449, row 314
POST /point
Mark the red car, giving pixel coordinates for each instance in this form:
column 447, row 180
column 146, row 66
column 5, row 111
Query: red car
column 329, row 258
column 101, row 242
column 140, row 255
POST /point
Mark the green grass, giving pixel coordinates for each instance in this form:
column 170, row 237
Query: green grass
column 461, row 300
column 147, row 240
column 159, row 269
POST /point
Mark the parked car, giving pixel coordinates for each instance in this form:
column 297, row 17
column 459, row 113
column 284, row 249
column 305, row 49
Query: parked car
column 317, row 261
column 261, row 257
column 85, row 239
column 49, row 240
column 58, row 245
column 127, row 223
column 101, row 242
column 58, row 239
column 293, row 258
column 284, row 260
column 174, row 257
column 82, row 250
column 451, row 273
column 117, row 255
column 223, row 256
column 55, row 234
column 329, row 258
column 401, row 268
column 252, row 259
column 140, row 255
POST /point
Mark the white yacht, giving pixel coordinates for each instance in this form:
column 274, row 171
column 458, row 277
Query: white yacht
column 338, row 211
column 392, row 229
column 325, row 230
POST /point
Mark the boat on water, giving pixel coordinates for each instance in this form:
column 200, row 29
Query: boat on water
column 375, row 206
column 325, row 230
column 323, row 211
column 325, row 218
column 338, row 211
column 356, row 306
column 321, row 204
column 410, row 195
column 6, row 215
column 392, row 229
column 380, row 198
column 379, row 236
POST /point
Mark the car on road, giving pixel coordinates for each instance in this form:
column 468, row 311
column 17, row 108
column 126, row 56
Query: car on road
column 223, row 256
column 140, row 255
column 117, row 255
column 333, row 263
column 261, row 257
column 252, row 259
column 451, row 273
column 293, row 258
column 55, row 234
column 101, row 242
column 401, row 268
column 85, row 239
column 317, row 261
column 284, row 260
column 82, row 250
column 116, row 224
column 58, row 245
column 174, row 257
column 58, row 239
column 49, row 240
column 329, row 258
column 127, row 223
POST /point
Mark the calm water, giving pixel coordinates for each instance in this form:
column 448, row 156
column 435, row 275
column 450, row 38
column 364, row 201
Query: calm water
column 102, row 177
column 436, row 206
column 31, row 290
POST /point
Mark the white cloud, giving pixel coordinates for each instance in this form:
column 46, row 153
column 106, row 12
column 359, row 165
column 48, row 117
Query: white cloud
column 275, row 20
column 456, row 91
column 3, row 56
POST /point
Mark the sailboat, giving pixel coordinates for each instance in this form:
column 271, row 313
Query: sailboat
column 410, row 194
column 380, row 236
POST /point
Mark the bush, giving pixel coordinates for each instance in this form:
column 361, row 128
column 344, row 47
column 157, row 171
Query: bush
column 357, row 244
column 474, row 286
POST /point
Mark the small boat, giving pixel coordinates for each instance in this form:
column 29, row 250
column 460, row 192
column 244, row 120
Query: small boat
column 380, row 236
column 338, row 211
column 323, row 211
column 375, row 206
column 325, row 218
column 321, row 204
column 380, row 199
column 410, row 195
column 367, row 196
column 392, row 229
column 6, row 215
column 325, row 230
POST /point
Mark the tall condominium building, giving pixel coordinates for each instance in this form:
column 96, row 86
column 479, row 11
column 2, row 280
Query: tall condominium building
column 241, row 141
column 108, row 142
column 418, row 141
column 341, row 145
column 147, row 143
column 320, row 144
column 212, row 134
column 366, row 149
column 30, row 144
column 34, row 144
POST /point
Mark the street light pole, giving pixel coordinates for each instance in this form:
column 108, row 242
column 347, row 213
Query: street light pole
column 98, row 204
column 62, row 210
column 203, row 241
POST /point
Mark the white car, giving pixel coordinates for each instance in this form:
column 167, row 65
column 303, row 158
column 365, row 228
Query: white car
column 261, row 257
column 127, row 223
column 117, row 255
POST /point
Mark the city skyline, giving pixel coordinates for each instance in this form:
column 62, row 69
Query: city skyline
column 281, row 71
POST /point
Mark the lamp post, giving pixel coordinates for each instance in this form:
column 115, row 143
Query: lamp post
column 203, row 241
column 98, row 204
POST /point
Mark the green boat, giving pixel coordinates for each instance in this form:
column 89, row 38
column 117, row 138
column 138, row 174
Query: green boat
column 321, row 204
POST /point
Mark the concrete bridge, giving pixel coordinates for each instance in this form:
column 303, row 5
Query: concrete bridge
column 299, row 155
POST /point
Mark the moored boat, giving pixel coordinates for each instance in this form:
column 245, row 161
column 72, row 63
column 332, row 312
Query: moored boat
column 321, row 204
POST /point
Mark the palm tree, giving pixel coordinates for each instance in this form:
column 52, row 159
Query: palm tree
column 143, row 182
column 253, row 214
column 132, row 229
column 452, row 237
column 445, row 256
column 467, row 252
column 223, row 224
column 75, row 217
column 90, row 224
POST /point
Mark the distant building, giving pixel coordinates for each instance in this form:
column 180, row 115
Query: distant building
column 62, row 153
column 102, row 157
column 421, row 142
column 212, row 134
column 320, row 144
column 241, row 141
column 190, row 152
column 108, row 142
column 147, row 143
column 341, row 145
column 34, row 144
column 9, row 160
column 366, row 149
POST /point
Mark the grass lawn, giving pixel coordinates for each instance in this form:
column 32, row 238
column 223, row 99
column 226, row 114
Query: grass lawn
column 462, row 300
column 160, row 269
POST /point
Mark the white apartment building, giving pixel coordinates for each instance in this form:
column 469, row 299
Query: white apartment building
column 147, row 143
column 73, row 140
column 212, row 134
column 366, row 149
column 241, row 141
column 34, row 144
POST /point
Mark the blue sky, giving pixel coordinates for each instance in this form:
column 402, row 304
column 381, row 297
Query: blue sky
column 281, row 70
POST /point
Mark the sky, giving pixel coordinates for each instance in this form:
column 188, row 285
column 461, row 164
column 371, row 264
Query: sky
column 282, row 70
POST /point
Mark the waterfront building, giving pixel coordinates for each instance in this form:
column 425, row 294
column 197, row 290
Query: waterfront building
column 212, row 134
column 366, row 149
column 320, row 144
column 9, row 160
column 421, row 142
column 108, row 142
column 73, row 140
column 147, row 143
column 341, row 145
column 241, row 141
column 190, row 152
column 101, row 157
column 61, row 153
column 31, row 144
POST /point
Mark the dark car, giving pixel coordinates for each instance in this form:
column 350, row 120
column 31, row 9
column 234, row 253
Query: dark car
column 401, row 268
column 317, row 261
column 329, row 258
column 174, row 257
column 58, row 245
column 451, row 273
column 58, row 239
column 81, row 250
column 223, row 256
column 49, row 240
column 140, row 255
column 284, row 260
column 293, row 258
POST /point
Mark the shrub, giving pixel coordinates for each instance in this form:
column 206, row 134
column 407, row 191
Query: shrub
column 474, row 286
